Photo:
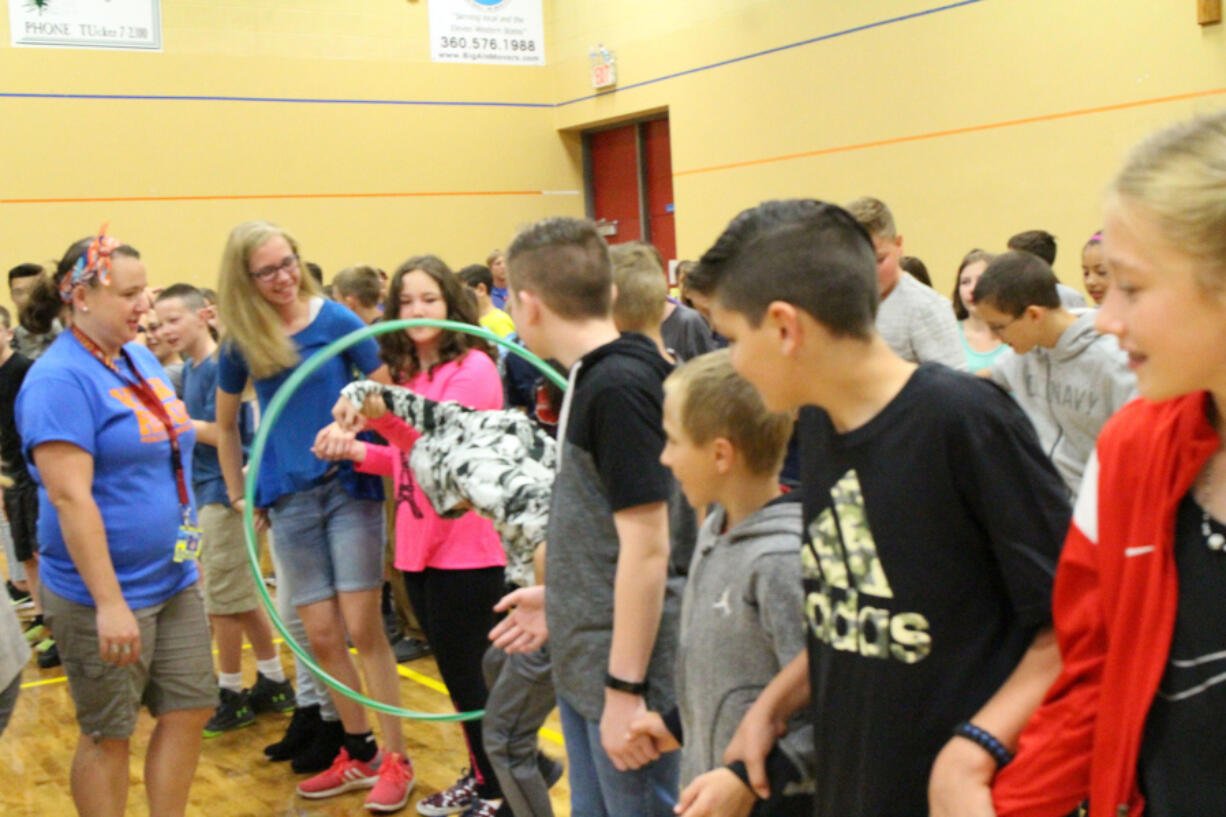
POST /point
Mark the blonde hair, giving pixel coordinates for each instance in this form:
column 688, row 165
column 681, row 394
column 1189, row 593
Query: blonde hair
column 1178, row 176
column 250, row 322
column 718, row 402
column 874, row 217
column 641, row 288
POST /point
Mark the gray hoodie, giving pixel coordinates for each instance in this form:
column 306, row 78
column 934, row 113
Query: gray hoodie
column 742, row 621
column 1069, row 392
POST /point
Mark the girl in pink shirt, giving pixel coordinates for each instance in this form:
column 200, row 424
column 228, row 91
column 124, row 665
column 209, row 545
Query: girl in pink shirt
column 452, row 568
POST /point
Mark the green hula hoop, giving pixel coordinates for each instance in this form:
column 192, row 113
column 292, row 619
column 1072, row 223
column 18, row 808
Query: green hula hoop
column 275, row 407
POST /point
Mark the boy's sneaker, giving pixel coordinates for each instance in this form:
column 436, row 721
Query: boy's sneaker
column 458, row 798
column 270, row 696
column 36, row 630
column 234, row 712
column 410, row 649
column 48, row 654
column 345, row 774
column 320, row 753
column 20, row 598
column 301, row 731
column 395, row 782
column 481, row 808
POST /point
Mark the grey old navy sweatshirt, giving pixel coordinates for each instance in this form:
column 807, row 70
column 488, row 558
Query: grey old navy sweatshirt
column 742, row 620
column 1069, row 391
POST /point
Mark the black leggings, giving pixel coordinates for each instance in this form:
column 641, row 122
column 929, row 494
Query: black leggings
column 456, row 611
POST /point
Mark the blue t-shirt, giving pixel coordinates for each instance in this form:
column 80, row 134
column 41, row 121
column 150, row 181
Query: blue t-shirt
column 200, row 397
column 289, row 465
column 498, row 296
column 69, row 396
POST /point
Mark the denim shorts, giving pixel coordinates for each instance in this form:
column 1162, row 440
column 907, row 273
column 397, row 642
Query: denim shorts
column 327, row 542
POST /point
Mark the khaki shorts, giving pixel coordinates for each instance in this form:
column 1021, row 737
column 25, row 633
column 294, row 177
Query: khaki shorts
column 175, row 670
column 229, row 587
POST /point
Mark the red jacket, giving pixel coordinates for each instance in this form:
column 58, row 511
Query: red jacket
column 1114, row 607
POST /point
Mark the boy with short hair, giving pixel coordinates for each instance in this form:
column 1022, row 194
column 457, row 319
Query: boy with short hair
column 360, row 289
column 1043, row 244
column 229, row 587
column 496, row 261
column 641, row 294
column 1067, row 376
column 742, row 609
column 480, row 282
column 611, row 612
column 915, row 321
column 932, row 525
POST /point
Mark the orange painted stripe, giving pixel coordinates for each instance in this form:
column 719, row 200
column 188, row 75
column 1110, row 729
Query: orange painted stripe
column 953, row 132
column 264, row 196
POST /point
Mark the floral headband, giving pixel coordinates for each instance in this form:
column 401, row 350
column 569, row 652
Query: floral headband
column 95, row 262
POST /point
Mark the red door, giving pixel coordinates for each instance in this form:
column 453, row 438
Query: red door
column 615, row 181
column 658, row 171
column 630, row 170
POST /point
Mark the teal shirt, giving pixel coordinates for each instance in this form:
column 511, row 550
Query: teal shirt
column 976, row 361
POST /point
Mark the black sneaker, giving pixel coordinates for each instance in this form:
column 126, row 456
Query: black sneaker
column 301, row 731
column 270, row 696
column 410, row 649
column 48, row 655
column 322, row 750
column 234, row 712
column 20, row 598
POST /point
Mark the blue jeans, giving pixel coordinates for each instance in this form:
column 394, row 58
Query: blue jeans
column 329, row 542
column 598, row 789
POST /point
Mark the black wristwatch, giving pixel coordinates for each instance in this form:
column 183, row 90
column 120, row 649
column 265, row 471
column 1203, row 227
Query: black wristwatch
column 628, row 687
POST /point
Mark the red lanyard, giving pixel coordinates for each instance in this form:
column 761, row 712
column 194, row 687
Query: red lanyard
column 145, row 393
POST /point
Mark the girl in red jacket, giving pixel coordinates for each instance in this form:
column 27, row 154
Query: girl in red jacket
column 1136, row 722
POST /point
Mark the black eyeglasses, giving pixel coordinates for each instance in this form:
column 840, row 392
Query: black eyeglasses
column 288, row 264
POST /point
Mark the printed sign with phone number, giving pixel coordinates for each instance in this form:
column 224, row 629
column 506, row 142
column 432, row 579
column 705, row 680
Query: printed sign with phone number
column 493, row 32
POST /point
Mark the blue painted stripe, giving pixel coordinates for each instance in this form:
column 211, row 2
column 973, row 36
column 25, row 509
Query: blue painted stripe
column 776, row 50
column 292, row 100
column 478, row 104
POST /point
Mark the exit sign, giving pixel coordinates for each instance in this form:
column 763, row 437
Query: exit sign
column 604, row 74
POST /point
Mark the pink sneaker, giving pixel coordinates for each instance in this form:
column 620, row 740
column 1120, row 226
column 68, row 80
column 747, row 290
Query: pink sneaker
column 395, row 781
column 345, row 774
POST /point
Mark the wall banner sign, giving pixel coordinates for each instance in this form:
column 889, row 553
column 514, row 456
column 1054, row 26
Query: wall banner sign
column 492, row 32
column 123, row 24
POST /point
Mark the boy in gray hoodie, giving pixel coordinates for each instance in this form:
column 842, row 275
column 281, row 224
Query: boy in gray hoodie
column 741, row 611
column 1066, row 376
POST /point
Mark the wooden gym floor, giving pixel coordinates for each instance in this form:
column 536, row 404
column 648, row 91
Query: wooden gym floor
column 233, row 778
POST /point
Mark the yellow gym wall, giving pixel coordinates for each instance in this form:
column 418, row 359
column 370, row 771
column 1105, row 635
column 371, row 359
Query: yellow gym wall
column 972, row 119
column 354, row 181
column 868, row 111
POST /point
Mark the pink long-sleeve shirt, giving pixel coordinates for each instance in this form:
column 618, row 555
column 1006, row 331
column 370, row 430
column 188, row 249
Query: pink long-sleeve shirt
column 426, row 540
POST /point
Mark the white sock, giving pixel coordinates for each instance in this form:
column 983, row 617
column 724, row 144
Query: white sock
column 232, row 681
column 270, row 668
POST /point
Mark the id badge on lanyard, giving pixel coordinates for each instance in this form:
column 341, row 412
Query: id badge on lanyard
column 187, row 542
column 187, row 546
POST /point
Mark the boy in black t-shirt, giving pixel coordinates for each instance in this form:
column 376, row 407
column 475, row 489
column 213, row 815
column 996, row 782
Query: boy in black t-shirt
column 932, row 526
column 21, row 498
column 611, row 613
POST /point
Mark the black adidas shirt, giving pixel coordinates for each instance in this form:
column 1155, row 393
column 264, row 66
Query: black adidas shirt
column 931, row 538
column 1182, row 767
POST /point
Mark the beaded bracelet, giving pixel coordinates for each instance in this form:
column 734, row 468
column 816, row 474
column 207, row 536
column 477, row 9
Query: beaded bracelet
column 984, row 739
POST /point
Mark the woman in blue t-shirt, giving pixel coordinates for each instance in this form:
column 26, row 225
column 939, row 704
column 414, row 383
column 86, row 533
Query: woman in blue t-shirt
column 111, row 448
column 327, row 521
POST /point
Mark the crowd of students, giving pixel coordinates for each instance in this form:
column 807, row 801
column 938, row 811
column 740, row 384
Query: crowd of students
column 886, row 554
